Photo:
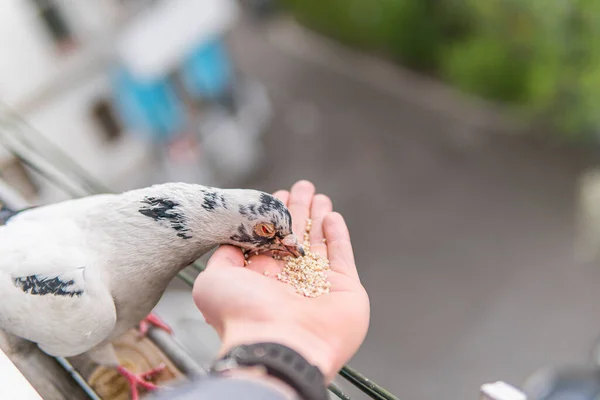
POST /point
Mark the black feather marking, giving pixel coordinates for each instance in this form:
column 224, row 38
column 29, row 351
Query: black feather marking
column 213, row 200
column 161, row 209
column 271, row 203
column 248, row 212
column 210, row 201
column 242, row 236
column 40, row 285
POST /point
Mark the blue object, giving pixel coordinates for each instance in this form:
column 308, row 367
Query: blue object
column 206, row 73
column 151, row 108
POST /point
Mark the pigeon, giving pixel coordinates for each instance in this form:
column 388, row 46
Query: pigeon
column 77, row 274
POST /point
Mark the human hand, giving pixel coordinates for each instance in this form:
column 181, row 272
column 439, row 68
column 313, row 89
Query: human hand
column 245, row 306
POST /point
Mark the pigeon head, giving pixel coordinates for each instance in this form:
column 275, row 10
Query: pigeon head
column 265, row 224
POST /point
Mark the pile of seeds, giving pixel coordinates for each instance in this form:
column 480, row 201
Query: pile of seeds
column 306, row 274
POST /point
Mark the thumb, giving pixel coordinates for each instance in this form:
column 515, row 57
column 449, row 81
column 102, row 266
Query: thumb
column 226, row 256
column 207, row 296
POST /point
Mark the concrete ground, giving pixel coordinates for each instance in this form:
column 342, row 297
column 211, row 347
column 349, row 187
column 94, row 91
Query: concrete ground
column 464, row 245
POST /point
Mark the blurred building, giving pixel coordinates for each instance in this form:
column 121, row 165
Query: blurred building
column 134, row 91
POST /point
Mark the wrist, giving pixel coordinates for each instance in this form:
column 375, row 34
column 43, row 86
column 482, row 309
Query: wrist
column 314, row 349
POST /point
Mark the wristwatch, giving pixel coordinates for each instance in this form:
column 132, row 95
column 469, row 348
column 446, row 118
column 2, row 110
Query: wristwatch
column 280, row 362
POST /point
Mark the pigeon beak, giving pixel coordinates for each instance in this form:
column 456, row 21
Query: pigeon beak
column 291, row 245
column 296, row 251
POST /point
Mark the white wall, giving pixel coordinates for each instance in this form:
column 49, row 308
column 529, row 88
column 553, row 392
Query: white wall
column 91, row 18
column 29, row 63
column 66, row 121
column 26, row 59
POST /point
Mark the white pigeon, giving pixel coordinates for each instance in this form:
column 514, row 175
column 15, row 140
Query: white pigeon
column 77, row 274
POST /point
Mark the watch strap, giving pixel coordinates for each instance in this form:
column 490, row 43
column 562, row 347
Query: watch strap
column 280, row 362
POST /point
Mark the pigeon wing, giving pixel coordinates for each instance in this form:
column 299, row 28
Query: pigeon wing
column 53, row 292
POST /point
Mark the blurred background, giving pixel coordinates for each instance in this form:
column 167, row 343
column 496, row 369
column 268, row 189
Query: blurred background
column 453, row 136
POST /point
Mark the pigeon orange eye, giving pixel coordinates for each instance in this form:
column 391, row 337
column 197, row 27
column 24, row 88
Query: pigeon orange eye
column 265, row 230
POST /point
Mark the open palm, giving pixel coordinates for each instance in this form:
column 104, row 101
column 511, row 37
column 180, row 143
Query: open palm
column 248, row 305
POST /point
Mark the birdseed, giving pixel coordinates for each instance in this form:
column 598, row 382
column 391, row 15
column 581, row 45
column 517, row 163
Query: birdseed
column 306, row 274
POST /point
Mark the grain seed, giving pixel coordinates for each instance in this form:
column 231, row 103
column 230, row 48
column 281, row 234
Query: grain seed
column 306, row 274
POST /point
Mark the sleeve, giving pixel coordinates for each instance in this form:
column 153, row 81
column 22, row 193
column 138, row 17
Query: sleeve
column 220, row 388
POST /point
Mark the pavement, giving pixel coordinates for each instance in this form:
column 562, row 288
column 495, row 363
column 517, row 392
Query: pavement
column 463, row 237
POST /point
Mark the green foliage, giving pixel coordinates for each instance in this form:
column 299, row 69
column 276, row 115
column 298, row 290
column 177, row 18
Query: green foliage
column 486, row 67
column 405, row 29
column 540, row 55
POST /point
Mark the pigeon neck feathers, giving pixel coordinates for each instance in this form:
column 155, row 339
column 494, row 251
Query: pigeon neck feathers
column 187, row 220
column 182, row 214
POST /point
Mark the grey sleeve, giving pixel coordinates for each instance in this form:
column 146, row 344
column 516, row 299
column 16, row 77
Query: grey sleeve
column 219, row 388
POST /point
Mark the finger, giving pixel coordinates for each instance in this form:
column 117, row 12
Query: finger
column 321, row 206
column 226, row 256
column 339, row 247
column 282, row 195
column 205, row 297
column 299, row 205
